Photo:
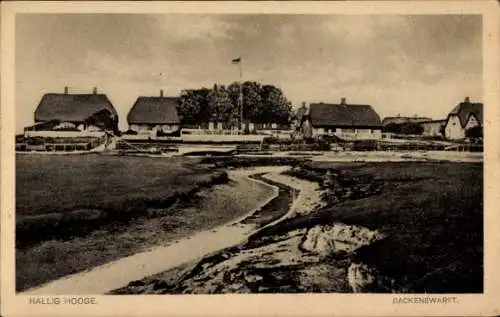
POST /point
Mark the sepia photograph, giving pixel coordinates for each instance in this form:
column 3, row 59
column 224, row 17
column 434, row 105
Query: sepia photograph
column 178, row 153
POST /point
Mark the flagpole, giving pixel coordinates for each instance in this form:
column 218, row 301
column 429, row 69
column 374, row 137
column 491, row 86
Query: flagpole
column 241, row 94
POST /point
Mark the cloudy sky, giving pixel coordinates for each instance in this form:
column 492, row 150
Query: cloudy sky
column 399, row 64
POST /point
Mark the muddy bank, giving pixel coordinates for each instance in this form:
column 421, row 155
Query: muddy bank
column 206, row 210
column 376, row 228
column 250, row 161
column 419, row 209
column 284, row 263
column 82, row 220
column 276, row 208
column 274, row 260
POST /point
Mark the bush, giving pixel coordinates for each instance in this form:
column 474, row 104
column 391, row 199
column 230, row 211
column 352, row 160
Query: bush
column 404, row 128
column 365, row 145
column 306, row 144
column 330, row 139
column 474, row 132
column 36, row 141
column 236, row 162
column 275, row 140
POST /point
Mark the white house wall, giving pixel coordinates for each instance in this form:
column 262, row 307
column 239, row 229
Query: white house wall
column 63, row 134
column 170, row 127
column 472, row 122
column 454, row 130
column 431, row 129
column 149, row 127
column 358, row 134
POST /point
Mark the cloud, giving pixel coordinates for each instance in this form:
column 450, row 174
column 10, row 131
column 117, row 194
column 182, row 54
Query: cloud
column 398, row 63
column 359, row 30
column 192, row 27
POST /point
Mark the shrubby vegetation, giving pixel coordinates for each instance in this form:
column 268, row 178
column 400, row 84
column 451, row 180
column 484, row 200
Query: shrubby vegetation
column 474, row 132
column 304, row 144
column 404, row 128
column 365, row 145
column 261, row 104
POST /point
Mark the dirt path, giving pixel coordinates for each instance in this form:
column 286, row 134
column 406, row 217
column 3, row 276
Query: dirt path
column 243, row 268
column 116, row 274
column 113, row 275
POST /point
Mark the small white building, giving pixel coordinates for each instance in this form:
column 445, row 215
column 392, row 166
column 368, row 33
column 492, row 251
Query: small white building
column 153, row 115
column 464, row 116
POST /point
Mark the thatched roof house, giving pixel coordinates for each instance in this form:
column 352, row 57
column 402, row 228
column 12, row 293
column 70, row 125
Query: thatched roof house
column 342, row 118
column 77, row 109
column 466, row 109
column 159, row 113
column 462, row 117
column 343, row 115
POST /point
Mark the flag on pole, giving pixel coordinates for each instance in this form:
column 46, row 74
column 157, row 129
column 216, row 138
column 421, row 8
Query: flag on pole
column 236, row 60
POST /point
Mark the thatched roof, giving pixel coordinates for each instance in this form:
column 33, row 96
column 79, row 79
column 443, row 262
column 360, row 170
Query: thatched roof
column 465, row 109
column 398, row 120
column 343, row 115
column 72, row 107
column 440, row 121
column 154, row 110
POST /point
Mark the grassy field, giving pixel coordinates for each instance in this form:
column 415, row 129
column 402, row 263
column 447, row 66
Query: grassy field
column 47, row 184
column 51, row 186
column 63, row 197
column 432, row 213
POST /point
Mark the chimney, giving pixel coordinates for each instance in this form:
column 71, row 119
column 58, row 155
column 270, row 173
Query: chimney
column 343, row 101
column 94, row 90
column 467, row 99
column 161, row 92
column 66, row 90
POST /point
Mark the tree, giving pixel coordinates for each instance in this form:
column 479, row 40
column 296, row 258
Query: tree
column 301, row 111
column 220, row 105
column 103, row 119
column 203, row 99
column 404, row 128
column 275, row 107
column 474, row 132
column 189, row 107
column 194, row 107
column 233, row 90
column 261, row 104
column 442, row 130
column 252, row 102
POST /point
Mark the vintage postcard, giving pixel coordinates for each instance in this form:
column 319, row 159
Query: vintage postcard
column 250, row 158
